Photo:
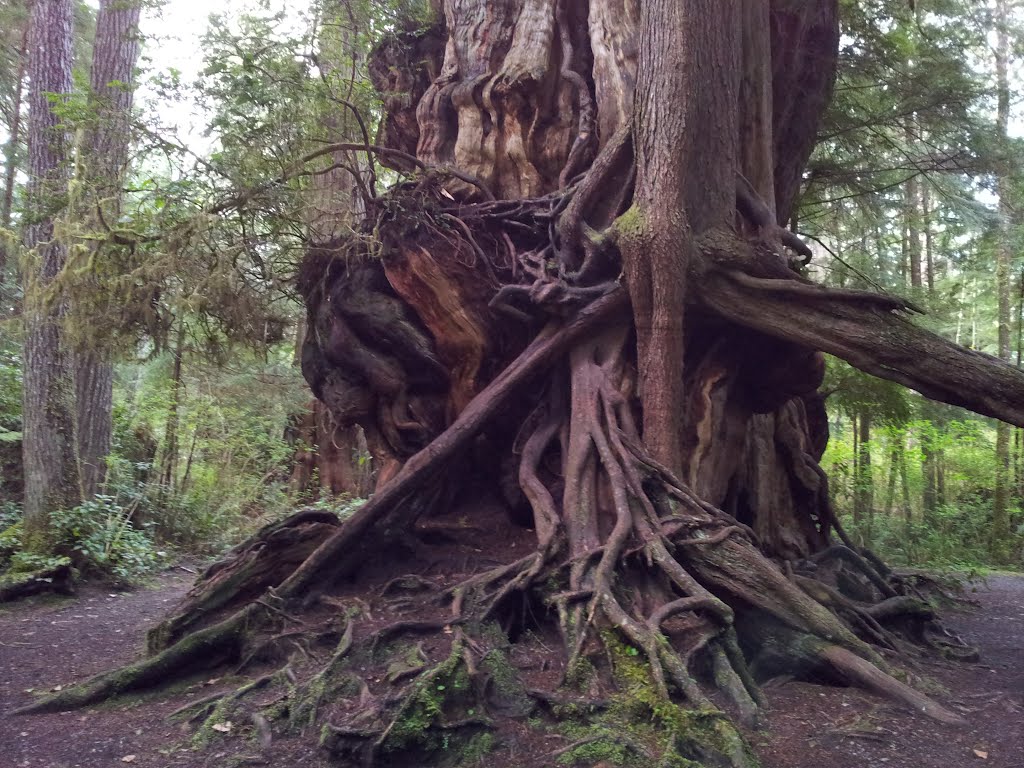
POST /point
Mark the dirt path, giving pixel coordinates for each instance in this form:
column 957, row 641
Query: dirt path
column 812, row 726
column 50, row 643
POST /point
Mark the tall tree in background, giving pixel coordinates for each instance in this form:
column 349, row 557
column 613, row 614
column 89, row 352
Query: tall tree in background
column 17, row 20
column 101, row 172
column 48, row 445
column 1000, row 531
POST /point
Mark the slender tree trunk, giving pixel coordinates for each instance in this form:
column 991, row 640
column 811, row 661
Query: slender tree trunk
column 105, row 161
column 960, row 312
column 11, row 160
column 905, row 244
column 48, row 446
column 1000, row 530
column 974, row 314
column 911, row 201
column 929, row 491
column 929, row 245
column 168, row 470
column 1018, row 432
column 863, row 487
column 890, row 486
column 908, row 510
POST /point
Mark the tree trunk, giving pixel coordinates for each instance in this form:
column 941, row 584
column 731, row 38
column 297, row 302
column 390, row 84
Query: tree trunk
column 11, row 160
column 908, row 509
column 48, row 446
column 1018, row 432
column 864, row 493
column 926, row 223
column 890, row 485
column 169, row 460
column 332, row 457
column 929, row 496
column 1000, row 529
column 911, row 201
column 103, row 167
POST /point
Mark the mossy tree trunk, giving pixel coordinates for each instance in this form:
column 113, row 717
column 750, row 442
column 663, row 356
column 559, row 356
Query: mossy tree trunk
column 102, row 169
column 48, row 409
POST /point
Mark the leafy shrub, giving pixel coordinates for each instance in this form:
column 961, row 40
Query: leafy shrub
column 99, row 536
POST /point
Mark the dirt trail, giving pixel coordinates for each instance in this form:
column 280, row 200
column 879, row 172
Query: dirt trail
column 811, row 726
column 49, row 643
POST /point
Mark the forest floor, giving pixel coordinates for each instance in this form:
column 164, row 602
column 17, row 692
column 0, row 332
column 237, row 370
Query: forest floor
column 50, row 642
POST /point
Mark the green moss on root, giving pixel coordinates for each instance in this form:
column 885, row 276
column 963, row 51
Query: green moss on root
column 640, row 723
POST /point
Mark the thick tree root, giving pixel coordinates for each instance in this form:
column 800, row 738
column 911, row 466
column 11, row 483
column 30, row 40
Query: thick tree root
column 865, row 675
column 206, row 649
column 261, row 562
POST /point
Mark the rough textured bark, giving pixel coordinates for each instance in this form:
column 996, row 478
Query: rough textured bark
column 48, row 446
column 578, row 474
column 688, row 66
column 102, row 169
column 330, row 458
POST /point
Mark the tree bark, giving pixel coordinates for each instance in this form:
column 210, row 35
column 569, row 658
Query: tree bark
column 1019, row 433
column 929, row 480
column 929, row 249
column 11, row 159
column 332, row 457
column 1000, row 530
column 103, row 168
column 48, row 445
column 169, row 460
column 864, row 493
column 688, row 73
column 911, row 201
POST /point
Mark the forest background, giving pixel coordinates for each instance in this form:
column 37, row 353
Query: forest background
column 179, row 275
